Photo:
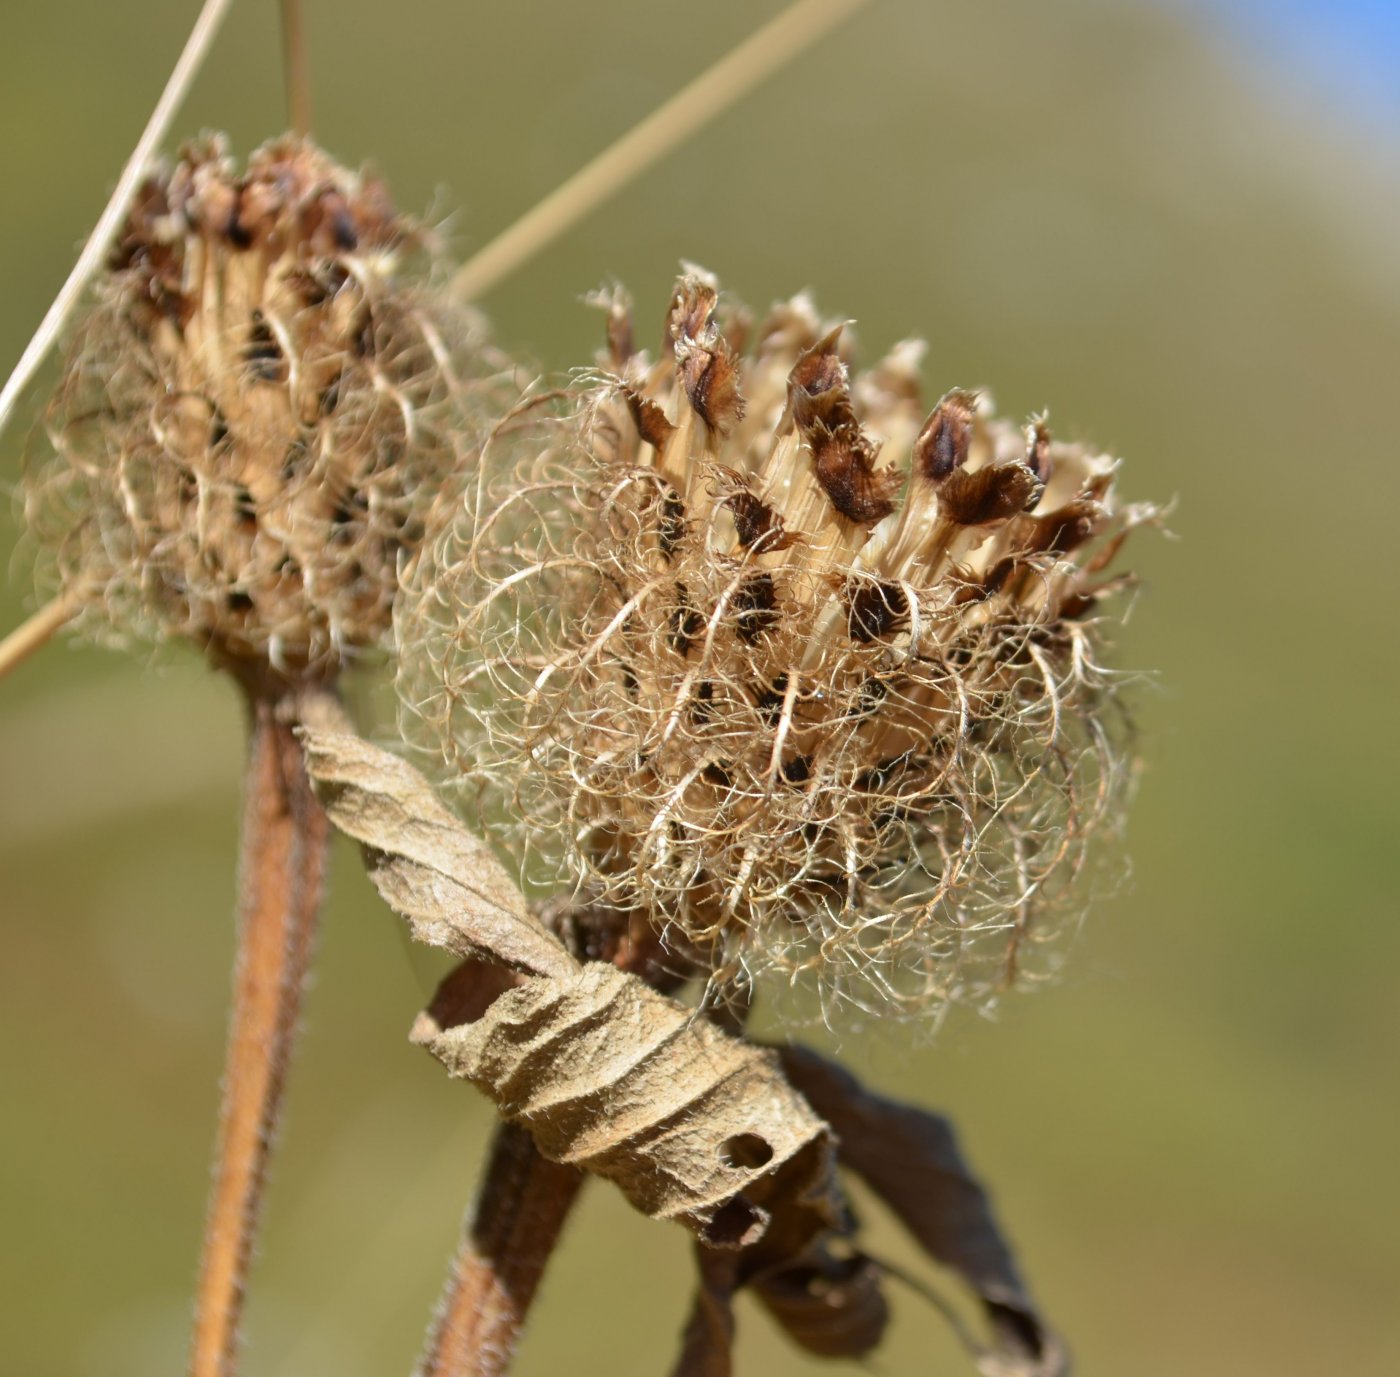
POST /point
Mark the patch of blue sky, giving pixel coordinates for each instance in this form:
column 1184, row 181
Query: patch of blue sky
column 1347, row 51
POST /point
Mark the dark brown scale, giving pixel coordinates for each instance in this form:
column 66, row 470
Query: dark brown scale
column 845, row 466
column 1038, row 451
column 705, row 364
column 820, row 403
column 649, row 418
column 263, row 354
column 757, row 605
column 686, row 623
column 710, row 377
column 672, row 525
column 701, row 706
column 347, row 238
column 717, row 774
column 1063, row 531
column 245, row 507
column 874, row 609
column 1077, row 606
column 692, row 307
column 769, row 701
column 988, row 494
column 946, row 439
column 236, row 232
column 758, row 525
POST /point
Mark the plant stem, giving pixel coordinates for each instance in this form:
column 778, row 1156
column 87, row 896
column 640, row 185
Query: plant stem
column 741, row 70
column 37, row 631
column 707, row 1345
column 281, row 875
column 520, row 1210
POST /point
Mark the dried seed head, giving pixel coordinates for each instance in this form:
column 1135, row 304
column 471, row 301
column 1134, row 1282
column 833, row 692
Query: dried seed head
column 710, row 660
column 252, row 418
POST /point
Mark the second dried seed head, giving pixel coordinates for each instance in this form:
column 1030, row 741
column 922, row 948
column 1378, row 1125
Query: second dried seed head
column 254, row 413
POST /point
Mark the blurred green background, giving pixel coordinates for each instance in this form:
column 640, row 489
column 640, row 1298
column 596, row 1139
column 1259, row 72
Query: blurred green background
column 1108, row 207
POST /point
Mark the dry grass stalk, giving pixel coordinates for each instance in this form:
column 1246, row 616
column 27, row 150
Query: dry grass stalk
column 696, row 104
column 35, row 632
column 197, row 46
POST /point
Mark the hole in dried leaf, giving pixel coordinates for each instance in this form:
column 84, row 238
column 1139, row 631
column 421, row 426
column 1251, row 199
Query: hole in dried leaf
column 746, row 1151
column 736, row 1224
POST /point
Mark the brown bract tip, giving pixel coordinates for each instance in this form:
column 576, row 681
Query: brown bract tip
column 705, row 360
column 946, row 439
column 977, row 497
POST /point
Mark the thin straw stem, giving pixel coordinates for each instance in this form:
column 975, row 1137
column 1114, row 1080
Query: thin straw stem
column 711, row 93
column 196, row 47
column 296, row 68
column 285, row 833
column 521, row 1207
column 37, row 631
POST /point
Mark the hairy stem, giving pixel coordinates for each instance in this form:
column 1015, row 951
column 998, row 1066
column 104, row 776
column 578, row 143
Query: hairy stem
column 707, row 1344
column 520, row 1210
column 281, row 875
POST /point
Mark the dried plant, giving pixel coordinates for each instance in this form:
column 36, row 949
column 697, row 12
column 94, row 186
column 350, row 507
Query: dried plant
column 706, row 662
column 733, row 703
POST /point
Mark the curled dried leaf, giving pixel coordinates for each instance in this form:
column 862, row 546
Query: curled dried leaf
column 690, row 1123
column 830, row 1305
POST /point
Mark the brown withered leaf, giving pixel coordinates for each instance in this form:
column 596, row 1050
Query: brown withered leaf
column 911, row 1159
column 690, row 1123
column 830, row 1304
column 426, row 865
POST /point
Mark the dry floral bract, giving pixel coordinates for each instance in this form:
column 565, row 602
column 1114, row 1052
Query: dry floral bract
column 253, row 412
column 751, row 643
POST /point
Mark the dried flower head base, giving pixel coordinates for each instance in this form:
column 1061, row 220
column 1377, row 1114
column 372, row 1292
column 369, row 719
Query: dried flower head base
column 754, row 645
column 252, row 418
